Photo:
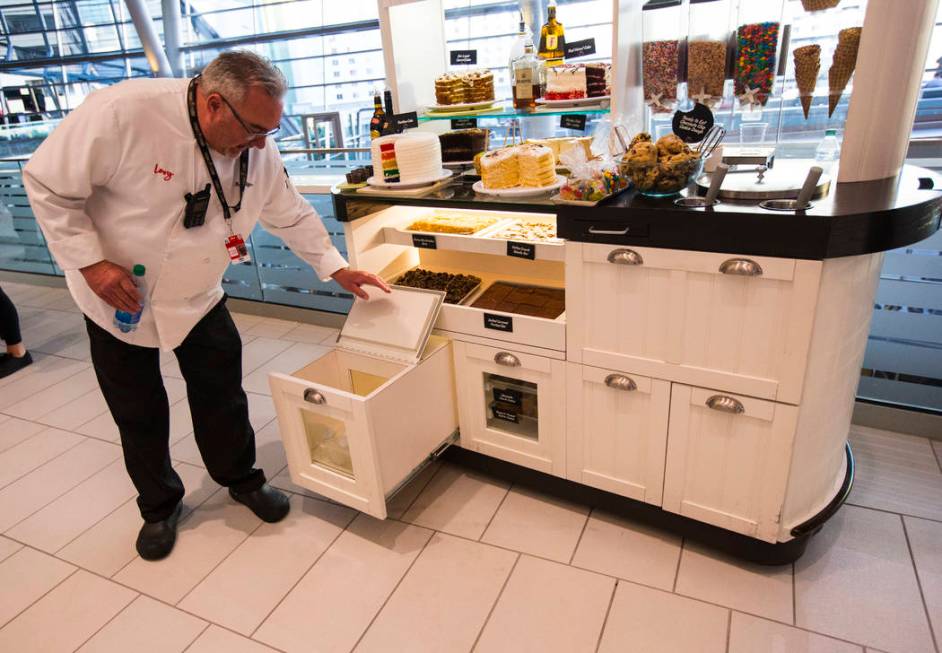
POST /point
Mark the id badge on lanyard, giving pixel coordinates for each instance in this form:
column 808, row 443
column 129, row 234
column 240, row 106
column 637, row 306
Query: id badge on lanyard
column 238, row 252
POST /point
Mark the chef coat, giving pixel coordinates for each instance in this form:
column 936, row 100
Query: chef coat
column 109, row 184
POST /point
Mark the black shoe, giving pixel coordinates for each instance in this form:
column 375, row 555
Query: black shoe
column 266, row 502
column 10, row 364
column 156, row 539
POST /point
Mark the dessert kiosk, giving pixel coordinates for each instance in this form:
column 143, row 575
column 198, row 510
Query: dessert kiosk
column 694, row 368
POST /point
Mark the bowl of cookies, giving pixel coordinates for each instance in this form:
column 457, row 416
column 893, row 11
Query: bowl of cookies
column 662, row 168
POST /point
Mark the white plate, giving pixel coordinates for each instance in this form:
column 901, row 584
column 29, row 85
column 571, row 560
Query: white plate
column 376, row 183
column 448, row 108
column 602, row 100
column 518, row 191
column 455, row 164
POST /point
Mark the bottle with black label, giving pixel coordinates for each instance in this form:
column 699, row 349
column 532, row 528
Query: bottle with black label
column 527, row 78
column 378, row 119
column 388, row 126
column 552, row 38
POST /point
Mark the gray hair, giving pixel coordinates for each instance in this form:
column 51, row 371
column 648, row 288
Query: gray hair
column 232, row 73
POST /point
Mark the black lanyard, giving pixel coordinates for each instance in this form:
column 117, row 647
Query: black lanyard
column 208, row 158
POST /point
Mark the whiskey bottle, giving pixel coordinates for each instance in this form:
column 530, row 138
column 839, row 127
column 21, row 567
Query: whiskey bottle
column 388, row 126
column 527, row 78
column 552, row 38
column 376, row 122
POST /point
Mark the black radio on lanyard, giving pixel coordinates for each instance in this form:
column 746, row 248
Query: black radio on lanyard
column 198, row 203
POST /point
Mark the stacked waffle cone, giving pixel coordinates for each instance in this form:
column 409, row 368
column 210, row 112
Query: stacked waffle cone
column 818, row 5
column 807, row 67
column 842, row 67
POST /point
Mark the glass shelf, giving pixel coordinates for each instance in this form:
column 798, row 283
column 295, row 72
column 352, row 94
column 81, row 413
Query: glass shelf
column 507, row 112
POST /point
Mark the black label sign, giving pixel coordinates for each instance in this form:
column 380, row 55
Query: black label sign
column 499, row 322
column 505, row 415
column 692, row 126
column 573, row 121
column 521, row 250
column 464, row 123
column 424, row 242
column 464, row 57
column 406, row 120
column 580, row 48
column 507, row 396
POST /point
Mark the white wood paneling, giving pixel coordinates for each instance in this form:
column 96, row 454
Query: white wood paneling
column 616, row 439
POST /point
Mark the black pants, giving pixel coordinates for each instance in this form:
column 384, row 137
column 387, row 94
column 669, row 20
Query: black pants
column 211, row 362
column 9, row 321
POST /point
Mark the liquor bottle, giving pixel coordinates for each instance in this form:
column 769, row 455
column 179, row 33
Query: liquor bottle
column 520, row 42
column 376, row 122
column 552, row 38
column 527, row 78
column 388, row 126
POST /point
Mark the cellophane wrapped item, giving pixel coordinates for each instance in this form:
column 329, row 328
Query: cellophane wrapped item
column 590, row 181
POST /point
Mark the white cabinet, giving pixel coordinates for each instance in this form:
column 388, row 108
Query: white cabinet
column 741, row 324
column 728, row 459
column 512, row 406
column 356, row 425
column 617, row 431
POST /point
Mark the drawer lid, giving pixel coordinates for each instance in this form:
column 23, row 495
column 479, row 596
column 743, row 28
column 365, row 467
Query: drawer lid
column 396, row 326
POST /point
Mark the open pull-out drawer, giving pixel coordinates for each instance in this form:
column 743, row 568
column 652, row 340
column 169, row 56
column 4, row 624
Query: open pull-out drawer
column 357, row 426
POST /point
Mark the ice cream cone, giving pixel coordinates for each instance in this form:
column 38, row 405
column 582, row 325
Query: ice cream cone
column 818, row 5
column 807, row 67
column 842, row 66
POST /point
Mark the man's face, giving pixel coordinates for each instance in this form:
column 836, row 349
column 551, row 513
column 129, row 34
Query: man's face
column 237, row 126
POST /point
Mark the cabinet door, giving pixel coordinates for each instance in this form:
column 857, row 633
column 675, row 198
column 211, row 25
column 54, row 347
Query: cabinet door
column 728, row 459
column 512, row 406
column 328, row 443
column 617, row 431
column 738, row 323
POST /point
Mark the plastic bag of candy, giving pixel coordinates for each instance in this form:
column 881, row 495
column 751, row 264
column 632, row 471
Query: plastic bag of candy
column 590, row 181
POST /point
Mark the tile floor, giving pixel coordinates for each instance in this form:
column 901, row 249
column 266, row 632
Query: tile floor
column 466, row 562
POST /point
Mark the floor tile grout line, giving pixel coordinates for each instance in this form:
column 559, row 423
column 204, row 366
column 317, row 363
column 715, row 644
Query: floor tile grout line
column 892, row 512
column 304, row 574
column 66, row 491
column 922, row 594
column 802, row 629
column 490, row 612
column 729, row 628
column 608, row 612
column 36, row 435
column 794, row 596
column 421, row 490
column 139, row 592
column 680, row 557
column 44, row 388
column 113, row 617
column 494, row 514
column 9, row 621
column 585, row 525
column 209, row 624
column 392, row 593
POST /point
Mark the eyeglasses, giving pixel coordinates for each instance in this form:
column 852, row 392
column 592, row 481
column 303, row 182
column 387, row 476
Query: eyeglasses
column 253, row 132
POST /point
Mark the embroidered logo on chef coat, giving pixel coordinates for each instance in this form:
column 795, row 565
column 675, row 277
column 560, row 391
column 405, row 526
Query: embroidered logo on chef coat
column 160, row 171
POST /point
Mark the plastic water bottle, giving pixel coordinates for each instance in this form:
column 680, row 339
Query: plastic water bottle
column 127, row 322
column 828, row 151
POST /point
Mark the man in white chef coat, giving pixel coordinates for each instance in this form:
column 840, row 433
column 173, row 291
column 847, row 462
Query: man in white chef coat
column 173, row 174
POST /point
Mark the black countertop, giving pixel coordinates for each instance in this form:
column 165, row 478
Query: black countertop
column 854, row 218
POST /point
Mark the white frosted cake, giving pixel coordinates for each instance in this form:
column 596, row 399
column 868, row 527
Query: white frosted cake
column 407, row 158
column 565, row 82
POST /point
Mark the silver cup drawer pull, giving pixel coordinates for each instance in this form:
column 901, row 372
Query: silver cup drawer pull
column 741, row 267
column 314, row 397
column 507, row 359
column 725, row 404
column 620, row 382
column 625, row 257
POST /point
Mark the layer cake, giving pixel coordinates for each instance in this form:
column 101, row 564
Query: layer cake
column 407, row 158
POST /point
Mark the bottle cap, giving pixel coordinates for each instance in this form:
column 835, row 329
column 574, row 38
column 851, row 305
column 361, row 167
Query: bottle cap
column 139, row 270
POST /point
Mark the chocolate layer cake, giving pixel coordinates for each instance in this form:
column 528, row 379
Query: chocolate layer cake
column 463, row 144
column 595, row 80
column 537, row 301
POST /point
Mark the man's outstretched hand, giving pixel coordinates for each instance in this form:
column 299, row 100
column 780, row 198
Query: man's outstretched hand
column 352, row 280
column 113, row 284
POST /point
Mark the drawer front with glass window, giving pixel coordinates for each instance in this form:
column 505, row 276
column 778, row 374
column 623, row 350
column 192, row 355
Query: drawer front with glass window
column 360, row 421
column 512, row 406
